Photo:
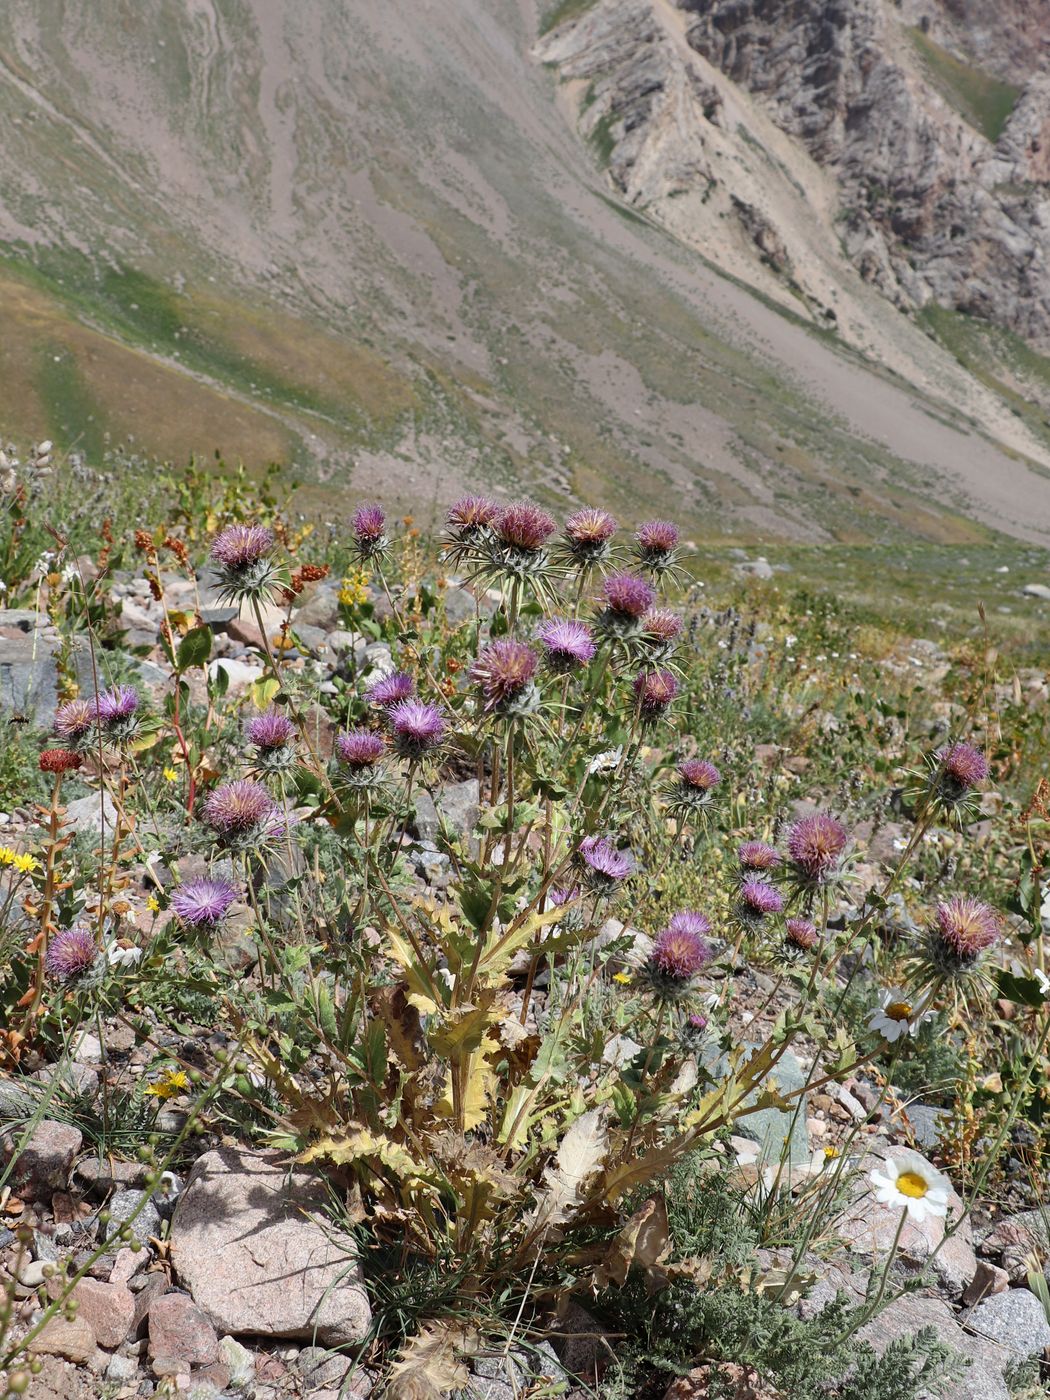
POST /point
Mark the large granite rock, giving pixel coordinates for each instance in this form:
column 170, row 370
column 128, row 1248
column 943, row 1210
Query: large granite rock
column 248, row 1242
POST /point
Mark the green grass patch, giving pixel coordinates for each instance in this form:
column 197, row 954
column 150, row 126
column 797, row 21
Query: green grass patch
column 602, row 139
column 73, row 414
column 565, row 10
column 980, row 99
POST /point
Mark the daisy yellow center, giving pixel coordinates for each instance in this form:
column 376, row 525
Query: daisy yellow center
column 899, row 1010
column 912, row 1184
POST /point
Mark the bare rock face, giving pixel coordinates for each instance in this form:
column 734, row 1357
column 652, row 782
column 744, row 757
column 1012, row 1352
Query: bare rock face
column 246, row 1244
column 930, row 207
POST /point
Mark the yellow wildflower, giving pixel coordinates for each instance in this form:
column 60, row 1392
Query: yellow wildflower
column 830, row 1153
column 624, row 978
column 26, row 864
column 175, row 1081
column 170, row 775
column 153, row 904
column 354, row 589
column 7, row 856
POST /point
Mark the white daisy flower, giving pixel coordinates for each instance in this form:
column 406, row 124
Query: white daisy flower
column 897, row 1015
column 912, row 1184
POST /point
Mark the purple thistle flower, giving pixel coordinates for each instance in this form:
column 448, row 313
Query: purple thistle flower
column 504, row 670
column 391, row 689
column 757, row 900
column 628, row 596
column 524, row 526
column 678, row 953
column 369, row 527
column 117, row 705
column 691, row 921
column 696, row 1022
column 756, row 855
column 558, row 895
column 654, row 691
column 471, row 514
column 270, row 731
column 662, row 626
column 74, row 720
column 815, row 845
column 801, row 934
column 965, row 928
column 590, row 526
column 606, row 866
column 203, row 903
column 239, row 811
column 361, row 748
column 960, row 768
column 657, row 542
column 569, row 645
column 239, row 547
column 417, row 727
column 699, row 774
column 71, row 953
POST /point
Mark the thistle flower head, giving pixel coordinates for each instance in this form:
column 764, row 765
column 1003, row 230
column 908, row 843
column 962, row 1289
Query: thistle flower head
column 757, row 901
column 241, row 547
column 58, row 760
column 242, row 556
column 567, row 645
column 369, row 526
column 587, row 536
column 417, row 727
column 962, row 930
column 628, row 596
column 661, row 627
column 960, row 769
column 240, row 813
column 801, row 934
column 74, row 722
column 505, row 671
column 756, row 855
column 654, row 691
column 690, row 921
column 698, row 775
column 71, row 953
column 604, row 865
column 203, row 903
column 815, row 845
column 657, row 543
column 471, row 515
column 524, row 526
column 680, row 954
column 271, row 730
column 360, row 748
column 117, row 712
column 391, row 689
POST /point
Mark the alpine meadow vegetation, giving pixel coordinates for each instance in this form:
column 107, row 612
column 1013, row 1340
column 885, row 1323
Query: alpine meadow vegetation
column 650, row 968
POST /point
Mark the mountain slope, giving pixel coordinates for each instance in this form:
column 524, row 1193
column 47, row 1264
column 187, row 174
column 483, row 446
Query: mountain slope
column 373, row 235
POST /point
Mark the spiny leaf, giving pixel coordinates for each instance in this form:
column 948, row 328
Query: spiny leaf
column 428, row 1366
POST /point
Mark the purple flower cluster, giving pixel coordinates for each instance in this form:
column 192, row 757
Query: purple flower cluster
column 587, row 535
column 679, row 953
column 360, row 748
column 471, row 515
column 758, row 900
column 698, row 775
column 240, row 812
column 657, row 541
column 661, row 627
column 369, row 526
column 960, row 769
column 801, row 934
column 605, row 865
column 71, row 953
column 202, row 903
column 240, row 547
column 417, row 727
column 568, row 645
column 505, row 671
column 74, row 721
column 271, row 730
column 654, row 692
column 815, row 846
column 757, row 855
column 524, row 527
column 965, row 927
column 628, row 596
column 391, row 690
column 117, row 712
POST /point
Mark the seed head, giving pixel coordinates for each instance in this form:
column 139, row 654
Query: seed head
column 59, row 760
column 568, row 645
column 71, row 953
column 203, row 903
column 417, row 727
column 815, row 845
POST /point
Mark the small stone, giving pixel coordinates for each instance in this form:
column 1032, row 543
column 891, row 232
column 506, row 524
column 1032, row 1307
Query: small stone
column 177, row 1327
column 988, row 1280
column 154, row 1286
column 92, row 813
column 74, row 1340
column 1036, row 590
column 1014, row 1319
column 121, row 1369
column 169, row 1366
column 122, row 1205
column 108, row 1307
column 239, row 1361
column 44, row 1163
column 127, row 1264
